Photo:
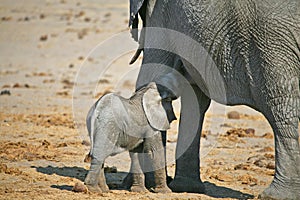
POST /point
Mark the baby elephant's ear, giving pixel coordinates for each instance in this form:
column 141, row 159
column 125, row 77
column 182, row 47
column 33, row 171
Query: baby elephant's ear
column 154, row 110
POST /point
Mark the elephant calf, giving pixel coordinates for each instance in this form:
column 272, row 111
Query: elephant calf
column 116, row 124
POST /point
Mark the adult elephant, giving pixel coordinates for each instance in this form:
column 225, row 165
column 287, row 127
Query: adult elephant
column 234, row 52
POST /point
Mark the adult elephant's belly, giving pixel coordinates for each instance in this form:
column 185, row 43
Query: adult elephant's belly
column 221, row 85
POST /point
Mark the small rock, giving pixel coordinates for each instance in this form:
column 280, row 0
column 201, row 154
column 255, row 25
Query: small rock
column 103, row 81
column 222, row 177
column 270, row 172
column 217, row 162
column 62, row 93
column 80, row 14
column 267, row 149
column 248, row 179
column 242, row 166
column 45, row 143
column 205, row 134
column 112, row 169
column 16, row 85
column 79, row 187
column 62, row 145
column 6, row 18
column 260, row 163
column 6, row 86
column 87, row 19
column 3, row 168
column 250, row 131
column 172, row 140
column 86, row 143
column 233, row 115
column 240, row 132
column 227, row 125
column 253, row 159
column 87, row 158
column 107, row 15
column 269, row 156
column 5, row 92
column 270, row 165
column 42, row 16
column 268, row 136
column 43, row 37
column 30, row 156
column 82, row 33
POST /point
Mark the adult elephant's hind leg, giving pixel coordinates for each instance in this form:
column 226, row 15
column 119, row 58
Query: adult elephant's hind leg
column 187, row 174
column 283, row 116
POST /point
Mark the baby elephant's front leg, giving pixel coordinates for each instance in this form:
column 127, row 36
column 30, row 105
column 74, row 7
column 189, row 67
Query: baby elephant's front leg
column 138, row 179
column 154, row 148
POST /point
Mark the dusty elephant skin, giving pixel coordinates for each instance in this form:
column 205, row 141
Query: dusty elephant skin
column 251, row 56
column 116, row 124
column 43, row 45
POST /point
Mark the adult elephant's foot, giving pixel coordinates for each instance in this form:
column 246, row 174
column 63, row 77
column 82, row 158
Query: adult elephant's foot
column 186, row 184
column 277, row 192
column 127, row 182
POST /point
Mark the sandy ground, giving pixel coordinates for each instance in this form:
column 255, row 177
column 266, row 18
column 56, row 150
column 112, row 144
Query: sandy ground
column 56, row 58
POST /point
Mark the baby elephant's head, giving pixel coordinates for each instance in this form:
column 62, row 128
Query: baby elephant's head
column 158, row 109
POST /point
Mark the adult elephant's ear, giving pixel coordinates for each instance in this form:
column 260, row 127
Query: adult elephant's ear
column 136, row 8
column 154, row 110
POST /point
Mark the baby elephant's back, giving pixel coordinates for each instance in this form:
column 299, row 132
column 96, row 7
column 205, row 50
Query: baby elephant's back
column 109, row 114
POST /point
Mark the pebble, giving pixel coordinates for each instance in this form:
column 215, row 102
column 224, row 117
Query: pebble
column 43, row 37
column 233, row 115
column 5, row 92
column 79, row 187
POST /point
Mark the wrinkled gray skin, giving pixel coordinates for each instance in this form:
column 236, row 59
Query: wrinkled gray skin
column 116, row 124
column 255, row 47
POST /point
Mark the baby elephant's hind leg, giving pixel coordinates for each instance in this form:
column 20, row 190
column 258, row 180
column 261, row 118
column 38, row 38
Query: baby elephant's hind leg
column 95, row 180
column 102, row 181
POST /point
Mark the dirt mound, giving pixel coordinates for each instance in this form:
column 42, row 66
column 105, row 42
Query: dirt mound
column 12, row 151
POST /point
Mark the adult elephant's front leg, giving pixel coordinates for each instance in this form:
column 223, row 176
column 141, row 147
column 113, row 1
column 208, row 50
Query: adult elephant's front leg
column 187, row 175
column 284, row 120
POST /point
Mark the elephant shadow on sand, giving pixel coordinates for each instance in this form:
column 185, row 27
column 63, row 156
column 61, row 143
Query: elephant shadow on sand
column 115, row 179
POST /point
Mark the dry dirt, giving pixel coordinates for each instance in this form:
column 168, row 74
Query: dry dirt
column 44, row 45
